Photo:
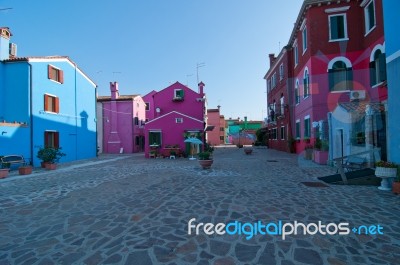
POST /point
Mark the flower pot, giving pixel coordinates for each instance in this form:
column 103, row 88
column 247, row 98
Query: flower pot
column 248, row 151
column 206, row 164
column 26, row 170
column 4, row 173
column 51, row 166
column 43, row 164
column 385, row 172
column 396, row 187
column 320, row 157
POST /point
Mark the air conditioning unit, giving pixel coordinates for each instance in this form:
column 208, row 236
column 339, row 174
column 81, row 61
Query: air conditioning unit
column 357, row 95
column 13, row 50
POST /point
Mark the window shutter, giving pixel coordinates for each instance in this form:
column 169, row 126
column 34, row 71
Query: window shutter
column 382, row 67
column 56, row 140
column 49, row 72
column 46, row 107
column 136, row 121
column 61, row 73
column 57, row 105
column 372, row 75
column 349, row 78
column 331, row 76
column 46, row 137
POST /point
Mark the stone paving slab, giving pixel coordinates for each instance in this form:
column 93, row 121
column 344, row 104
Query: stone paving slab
column 132, row 210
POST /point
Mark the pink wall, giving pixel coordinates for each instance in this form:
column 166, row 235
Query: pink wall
column 119, row 128
column 191, row 109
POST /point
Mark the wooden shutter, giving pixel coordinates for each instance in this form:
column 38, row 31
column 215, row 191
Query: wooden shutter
column 46, row 107
column 61, row 75
column 56, row 105
column 56, row 139
column 372, row 74
column 382, row 67
column 49, row 72
column 349, row 78
column 46, row 138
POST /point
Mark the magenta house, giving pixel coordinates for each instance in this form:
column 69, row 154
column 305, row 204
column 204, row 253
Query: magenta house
column 121, row 120
column 172, row 115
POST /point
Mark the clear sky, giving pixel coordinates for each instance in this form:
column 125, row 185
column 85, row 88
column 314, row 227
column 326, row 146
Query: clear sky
column 148, row 44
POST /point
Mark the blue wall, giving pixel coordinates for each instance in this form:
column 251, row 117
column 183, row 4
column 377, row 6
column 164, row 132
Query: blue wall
column 392, row 42
column 75, row 121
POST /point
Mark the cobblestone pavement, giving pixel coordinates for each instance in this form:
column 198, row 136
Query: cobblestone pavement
column 132, row 210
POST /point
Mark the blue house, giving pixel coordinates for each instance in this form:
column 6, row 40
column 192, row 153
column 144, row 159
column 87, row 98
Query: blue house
column 45, row 101
column 392, row 25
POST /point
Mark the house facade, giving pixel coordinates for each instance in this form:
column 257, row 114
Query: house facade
column 392, row 43
column 121, row 120
column 337, row 56
column 216, row 122
column 46, row 101
column 279, row 92
column 173, row 115
column 242, row 132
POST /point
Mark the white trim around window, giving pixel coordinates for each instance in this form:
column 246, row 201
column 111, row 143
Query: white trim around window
column 346, row 36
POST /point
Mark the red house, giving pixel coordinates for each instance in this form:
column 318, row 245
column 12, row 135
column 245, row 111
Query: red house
column 337, row 54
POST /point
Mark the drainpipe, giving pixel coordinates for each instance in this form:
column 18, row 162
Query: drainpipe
column 76, row 119
column 30, row 110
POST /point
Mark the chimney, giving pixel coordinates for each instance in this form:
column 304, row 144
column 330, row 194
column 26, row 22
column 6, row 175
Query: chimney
column 219, row 107
column 272, row 59
column 5, row 35
column 114, row 90
column 201, row 88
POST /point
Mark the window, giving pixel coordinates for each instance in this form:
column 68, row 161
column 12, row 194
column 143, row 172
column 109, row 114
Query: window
column 337, row 27
column 283, row 133
column 378, row 68
column 273, row 80
column 179, row 120
column 51, row 103
column 55, row 74
column 221, row 138
column 369, row 13
column 155, row 138
column 221, row 129
column 147, row 106
column 136, row 120
column 307, row 128
column 282, row 102
column 340, row 77
column 274, row 134
column 179, row 94
column 268, row 85
column 296, row 93
column 306, row 84
column 51, row 139
column 296, row 54
column 281, row 74
column 304, row 35
column 298, row 129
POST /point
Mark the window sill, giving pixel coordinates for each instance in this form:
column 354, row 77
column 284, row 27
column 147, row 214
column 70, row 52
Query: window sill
column 55, row 81
column 338, row 40
column 366, row 34
column 379, row 84
column 306, row 97
column 304, row 51
column 342, row 91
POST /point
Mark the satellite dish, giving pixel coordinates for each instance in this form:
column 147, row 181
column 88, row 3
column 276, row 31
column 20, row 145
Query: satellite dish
column 158, row 110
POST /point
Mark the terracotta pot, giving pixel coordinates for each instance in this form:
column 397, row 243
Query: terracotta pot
column 396, row 187
column 206, row 164
column 4, row 173
column 248, row 151
column 51, row 166
column 43, row 164
column 26, row 170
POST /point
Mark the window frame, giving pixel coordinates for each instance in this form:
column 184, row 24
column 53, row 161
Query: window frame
column 281, row 73
column 59, row 78
column 346, row 36
column 147, row 106
column 297, row 92
column 55, row 108
column 55, row 135
column 296, row 53
column 333, row 73
column 304, row 38
column 283, row 133
column 178, row 120
column 307, row 126
column 306, row 83
column 151, row 142
column 368, row 27
column 298, row 129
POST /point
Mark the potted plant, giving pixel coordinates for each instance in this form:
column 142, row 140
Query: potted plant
column 25, row 170
column 248, row 150
column 396, row 183
column 306, row 140
column 49, row 156
column 385, row 170
column 205, row 159
column 308, row 151
column 4, row 170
